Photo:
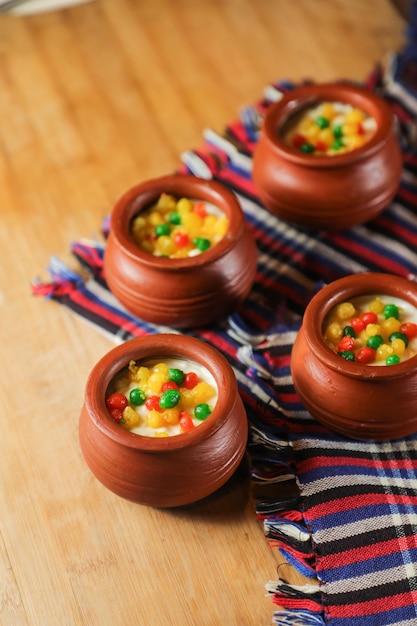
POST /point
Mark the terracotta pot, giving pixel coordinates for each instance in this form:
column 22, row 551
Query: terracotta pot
column 327, row 192
column 171, row 471
column 187, row 292
column 359, row 401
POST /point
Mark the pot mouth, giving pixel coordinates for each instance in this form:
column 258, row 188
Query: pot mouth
column 141, row 196
column 310, row 95
column 342, row 290
column 160, row 346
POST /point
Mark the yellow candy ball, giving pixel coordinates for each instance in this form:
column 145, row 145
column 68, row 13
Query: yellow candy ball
column 193, row 223
column 155, row 218
column 355, row 115
column 131, row 418
column 383, row 351
column 327, row 110
column 202, row 392
column 154, row 419
column 398, row 346
column 184, row 206
column 155, row 381
column 166, row 203
column 388, row 326
column 333, row 332
column 187, row 398
column 171, row 416
column 345, row 310
column 376, row 306
column 165, row 245
column 372, row 329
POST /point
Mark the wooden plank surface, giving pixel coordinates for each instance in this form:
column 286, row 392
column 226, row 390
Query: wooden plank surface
column 94, row 99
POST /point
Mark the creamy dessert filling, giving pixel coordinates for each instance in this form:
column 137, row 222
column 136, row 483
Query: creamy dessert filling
column 328, row 129
column 162, row 398
column 178, row 228
column 372, row 330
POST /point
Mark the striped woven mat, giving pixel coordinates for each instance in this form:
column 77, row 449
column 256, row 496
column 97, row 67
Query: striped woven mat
column 354, row 524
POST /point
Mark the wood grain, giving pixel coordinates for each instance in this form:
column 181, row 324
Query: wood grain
column 94, row 99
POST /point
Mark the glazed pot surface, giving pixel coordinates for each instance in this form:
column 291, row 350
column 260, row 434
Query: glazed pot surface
column 181, row 292
column 359, row 401
column 171, row 471
column 327, row 192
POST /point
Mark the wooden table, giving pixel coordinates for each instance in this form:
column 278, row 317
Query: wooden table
column 94, row 99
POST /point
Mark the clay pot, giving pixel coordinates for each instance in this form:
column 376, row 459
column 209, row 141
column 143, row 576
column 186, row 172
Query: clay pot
column 180, row 293
column 171, row 471
column 359, row 401
column 327, row 192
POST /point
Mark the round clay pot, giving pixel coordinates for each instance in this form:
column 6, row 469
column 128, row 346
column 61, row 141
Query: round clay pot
column 171, row 471
column 359, row 401
column 327, row 192
column 186, row 292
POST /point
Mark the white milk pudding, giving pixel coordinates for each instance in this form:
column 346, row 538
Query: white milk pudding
column 161, row 398
column 372, row 330
column 178, row 228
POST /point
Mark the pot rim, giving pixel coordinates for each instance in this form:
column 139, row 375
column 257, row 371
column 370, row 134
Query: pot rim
column 164, row 345
column 142, row 195
column 309, row 95
column 340, row 290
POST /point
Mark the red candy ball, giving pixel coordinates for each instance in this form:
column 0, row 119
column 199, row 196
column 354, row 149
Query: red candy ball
column 320, row 146
column 116, row 401
column 190, row 380
column 369, row 318
column 358, row 325
column 181, row 239
column 347, row 343
column 152, row 404
column 186, row 422
column 409, row 329
column 365, row 355
column 170, row 384
column 116, row 414
column 200, row 209
column 299, row 140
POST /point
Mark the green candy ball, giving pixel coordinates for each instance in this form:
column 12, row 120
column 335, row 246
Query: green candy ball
column 202, row 411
